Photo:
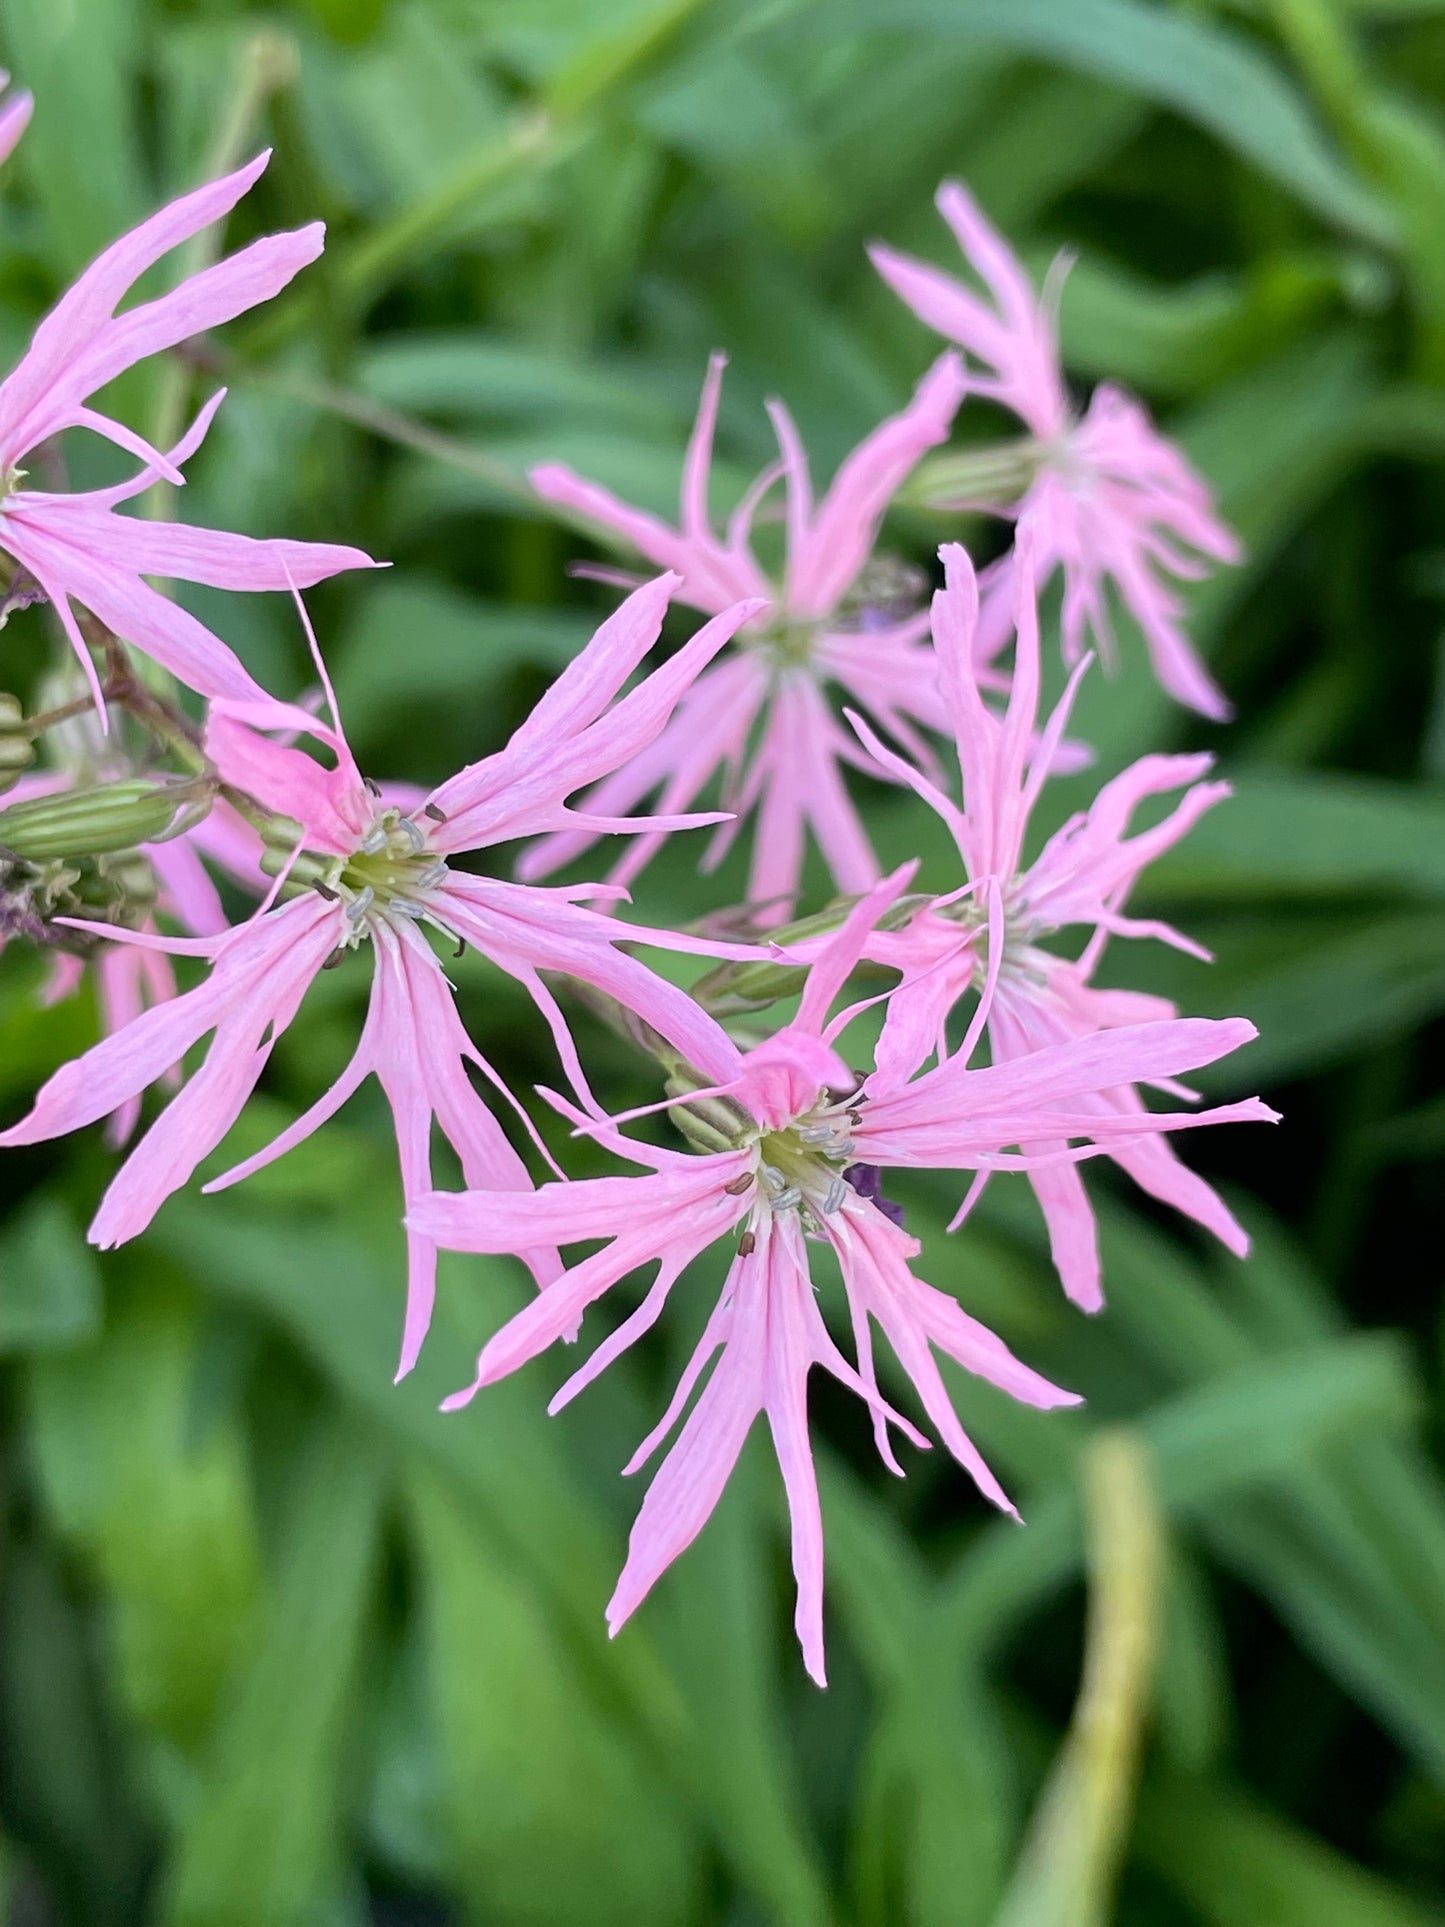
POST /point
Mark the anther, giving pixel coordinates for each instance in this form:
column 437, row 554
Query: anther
column 374, row 842
column 413, row 833
column 774, row 1179
column 373, row 786
column 739, row 1185
column 461, row 949
column 747, row 1245
column 787, row 1200
column 436, row 815
column 360, row 904
column 336, row 957
column 837, row 1192
column 325, row 890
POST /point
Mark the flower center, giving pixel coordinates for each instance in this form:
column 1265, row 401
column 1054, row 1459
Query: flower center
column 801, row 1165
column 390, row 872
column 886, row 592
column 1020, row 931
column 785, row 645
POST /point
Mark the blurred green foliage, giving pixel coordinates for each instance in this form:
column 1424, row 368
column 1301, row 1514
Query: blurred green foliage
column 280, row 1646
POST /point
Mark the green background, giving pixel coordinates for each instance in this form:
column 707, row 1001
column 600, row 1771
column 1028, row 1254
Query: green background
column 279, row 1645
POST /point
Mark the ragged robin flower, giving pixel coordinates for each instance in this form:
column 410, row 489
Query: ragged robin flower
column 378, row 875
column 841, row 618
column 1112, row 500
column 74, row 546
column 1079, row 881
column 801, row 1142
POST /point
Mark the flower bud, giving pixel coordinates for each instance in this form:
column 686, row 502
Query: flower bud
column 94, row 822
column 999, row 472
column 712, row 1124
column 17, row 750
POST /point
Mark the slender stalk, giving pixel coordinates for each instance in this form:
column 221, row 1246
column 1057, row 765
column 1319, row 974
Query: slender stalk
column 389, row 426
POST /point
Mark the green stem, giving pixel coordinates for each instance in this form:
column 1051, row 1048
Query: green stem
column 389, row 426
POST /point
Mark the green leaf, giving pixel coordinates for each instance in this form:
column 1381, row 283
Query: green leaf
column 417, row 641
column 155, row 1492
column 934, row 1817
column 1248, row 1427
column 1197, row 67
column 260, row 1842
column 70, row 1790
column 1235, row 1864
column 79, row 57
column 1179, row 339
column 1300, row 834
column 1319, row 988
column 51, row 1294
column 1044, row 133
column 502, row 1451
column 472, row 376
column 554, row 1816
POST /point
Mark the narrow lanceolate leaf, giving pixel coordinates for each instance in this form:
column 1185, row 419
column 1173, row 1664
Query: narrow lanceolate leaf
column 1235, row 1864
column 261, row 1841
column 553, row 1813
column 1301, row 834
column 144, row 1468
column 1201, row 69
column 51, row 1295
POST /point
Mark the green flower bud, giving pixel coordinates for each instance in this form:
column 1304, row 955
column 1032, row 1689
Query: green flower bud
column 958, row 478
column 95, row 822
column 17, row 750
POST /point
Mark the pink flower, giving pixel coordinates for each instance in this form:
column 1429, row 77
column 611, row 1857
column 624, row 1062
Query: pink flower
column 379, row 873
column 1111, row 499
column 1081, row 877
column 825, row 625
column 73, row 545
column 810, row 1143
column 14, row 118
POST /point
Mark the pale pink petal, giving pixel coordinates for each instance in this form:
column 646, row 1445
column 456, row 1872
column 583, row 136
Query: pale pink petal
column 708, row 731
column 525, row 930
column 14, row 119
column 90, row 303
column 260, row 996
column 93, row 567
column 333, row 806
column 186, row 890
column 690, row 1480
column 824, row 560
column 789, row 1357
column 205, row 300
column 113, row 1070
column 216, row 557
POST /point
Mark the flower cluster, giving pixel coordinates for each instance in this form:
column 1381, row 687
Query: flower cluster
column 128, row 802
